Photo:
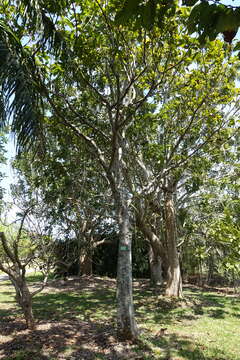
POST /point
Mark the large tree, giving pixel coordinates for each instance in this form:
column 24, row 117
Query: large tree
column 76, row 68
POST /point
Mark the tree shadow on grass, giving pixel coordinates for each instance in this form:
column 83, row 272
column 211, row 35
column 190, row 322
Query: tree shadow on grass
column 74, row 339
column 67, row 305
column 4, row 284
column 83, row 282
column 61, row 334
column 214, row 305
column 9, row 325
column 8, row 311
column 7, row 294
column 173, row 346
column 5, row 313
column 196, row 302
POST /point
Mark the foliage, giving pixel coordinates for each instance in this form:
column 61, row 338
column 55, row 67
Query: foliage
column 207, row 18
column 105, row 256
column 2, row 161
column 211, row 225
column 145, row 14
column 25, row 244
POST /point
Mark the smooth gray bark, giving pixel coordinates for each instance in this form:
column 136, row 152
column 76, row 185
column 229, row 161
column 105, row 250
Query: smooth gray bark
column 126, row 325
column 156, row 251
column 155, row 264
column 174, row 279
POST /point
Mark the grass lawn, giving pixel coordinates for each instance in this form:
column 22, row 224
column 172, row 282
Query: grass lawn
column 76, row 320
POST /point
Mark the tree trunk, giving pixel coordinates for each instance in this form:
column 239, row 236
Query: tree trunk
column 126, row 326
column 210, row 270
column 155, row 265
column 24, row 299
column 156, row 251
column 27, row 309
column 17, row 291
column 85, row 264
column 174, row 280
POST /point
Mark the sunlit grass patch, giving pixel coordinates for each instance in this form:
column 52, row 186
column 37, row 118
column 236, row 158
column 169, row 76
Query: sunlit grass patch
column 203, row 326
column 7, row 301
column 85, row 305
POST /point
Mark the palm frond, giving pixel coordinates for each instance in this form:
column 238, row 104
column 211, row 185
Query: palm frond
column 21, row 103
column 21, row 99
column 38, row 16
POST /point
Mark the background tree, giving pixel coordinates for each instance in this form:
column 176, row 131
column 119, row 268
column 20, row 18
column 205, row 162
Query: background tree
column 20, row 247
column 100, row 99
column 189, row 131
column 213, row 224
column 76, row 198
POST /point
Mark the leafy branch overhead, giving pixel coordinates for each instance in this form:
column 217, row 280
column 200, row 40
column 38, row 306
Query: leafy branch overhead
column 206, row 18
column 209, row 20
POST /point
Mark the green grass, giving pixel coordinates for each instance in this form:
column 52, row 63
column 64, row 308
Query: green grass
column 202, row 326
column 94, row 305
column 38, row 276
column 7, row 302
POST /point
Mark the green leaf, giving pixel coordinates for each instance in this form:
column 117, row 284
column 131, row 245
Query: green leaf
column 237, row 46
column 129, row 9
column 7, row 29
column 149, row 13
column 189, row 2
column 227, row 20
column 194, row 16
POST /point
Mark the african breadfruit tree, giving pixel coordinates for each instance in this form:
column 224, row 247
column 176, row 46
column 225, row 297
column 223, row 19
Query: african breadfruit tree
column 198, row 123
column 104, row 74
column 76, row 68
